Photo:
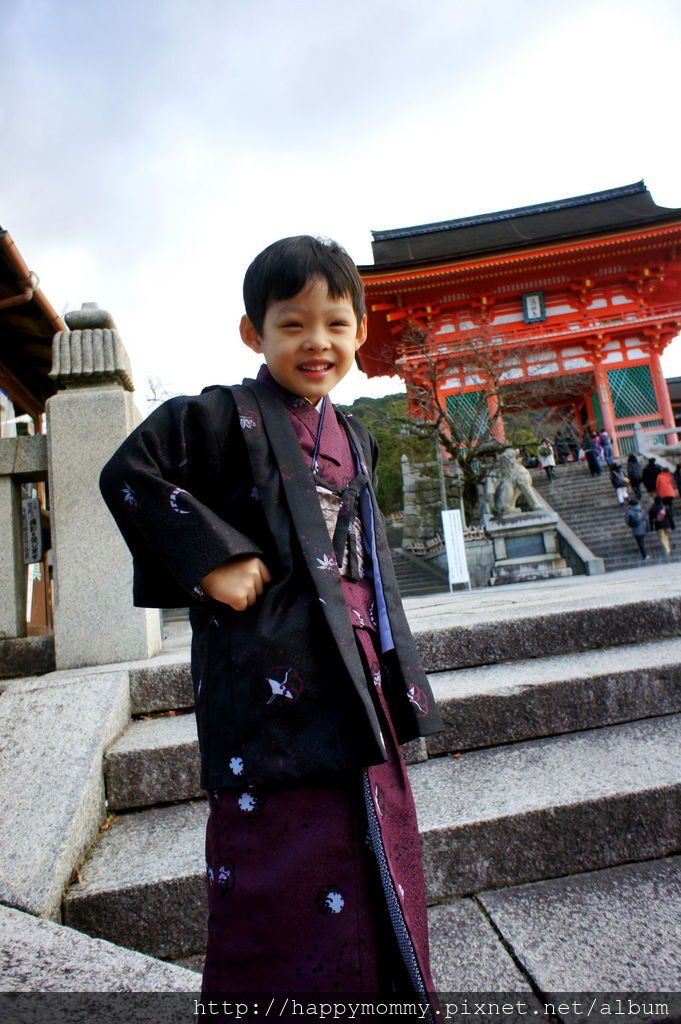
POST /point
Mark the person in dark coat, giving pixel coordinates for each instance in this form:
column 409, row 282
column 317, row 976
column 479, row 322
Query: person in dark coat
column 619, row 482
column 255, row 506
column 573, row 446
column 635, row 518
column 633, row 472
column 591, row 452
column 659, row 519
column 606, row 446
column 562, row 448
column 649, row 475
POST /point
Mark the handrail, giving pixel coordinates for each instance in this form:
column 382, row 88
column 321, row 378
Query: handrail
column 490, row 336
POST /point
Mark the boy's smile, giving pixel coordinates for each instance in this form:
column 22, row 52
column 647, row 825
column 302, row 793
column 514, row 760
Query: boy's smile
column 309, row 341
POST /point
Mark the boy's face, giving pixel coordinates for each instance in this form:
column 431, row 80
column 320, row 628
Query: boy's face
column 308, row 341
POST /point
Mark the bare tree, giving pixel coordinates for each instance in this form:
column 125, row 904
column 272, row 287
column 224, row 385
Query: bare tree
column 157, row 391
column 499, row 407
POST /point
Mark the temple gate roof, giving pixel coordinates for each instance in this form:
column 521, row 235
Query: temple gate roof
column 628, row 206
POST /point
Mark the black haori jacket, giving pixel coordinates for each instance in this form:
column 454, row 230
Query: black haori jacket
column 280, row 688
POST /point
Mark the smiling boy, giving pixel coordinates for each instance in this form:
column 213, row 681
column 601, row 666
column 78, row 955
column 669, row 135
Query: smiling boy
column 305, row 673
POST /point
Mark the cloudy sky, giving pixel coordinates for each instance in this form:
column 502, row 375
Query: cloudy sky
column 150, row 148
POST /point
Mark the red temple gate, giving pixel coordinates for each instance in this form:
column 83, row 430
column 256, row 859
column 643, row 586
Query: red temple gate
column 584, row 293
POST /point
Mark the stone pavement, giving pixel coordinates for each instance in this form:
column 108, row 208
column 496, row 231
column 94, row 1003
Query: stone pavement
column 563, row 595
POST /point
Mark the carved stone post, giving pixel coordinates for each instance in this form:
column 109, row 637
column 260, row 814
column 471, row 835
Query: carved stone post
column 95, row 622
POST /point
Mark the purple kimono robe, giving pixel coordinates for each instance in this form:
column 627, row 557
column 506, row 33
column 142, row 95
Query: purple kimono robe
column 314, row 871
column 319, row 888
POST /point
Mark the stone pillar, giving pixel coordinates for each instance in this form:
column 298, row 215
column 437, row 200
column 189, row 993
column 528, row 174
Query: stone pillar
column 95, row 622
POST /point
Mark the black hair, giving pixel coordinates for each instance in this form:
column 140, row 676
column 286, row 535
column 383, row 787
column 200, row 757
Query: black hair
column 284, row 268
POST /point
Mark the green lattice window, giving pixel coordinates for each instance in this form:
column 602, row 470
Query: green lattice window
column 470, row 413
column 627, row 445
column 632, row 390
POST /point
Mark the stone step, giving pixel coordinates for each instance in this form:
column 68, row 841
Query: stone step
column 163, row 684
column 589, row 507
column 449, row 635
column 157, row 759
column 447, row 640
column 488, row 818
column 613, row 930
column 548, row 807
column 144, row 885
column 490, row 705
column 416, row 579
column 616, row 563
column 416, row 589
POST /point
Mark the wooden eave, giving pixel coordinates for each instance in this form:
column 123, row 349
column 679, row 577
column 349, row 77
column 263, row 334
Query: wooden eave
column 398, row 280
column 389, row 289
column 28, row 323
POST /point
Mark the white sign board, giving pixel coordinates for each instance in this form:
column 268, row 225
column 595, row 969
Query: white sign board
column 32, row 536
column 452, row 527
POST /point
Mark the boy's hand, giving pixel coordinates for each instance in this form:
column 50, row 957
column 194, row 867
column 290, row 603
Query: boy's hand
column 238, row 583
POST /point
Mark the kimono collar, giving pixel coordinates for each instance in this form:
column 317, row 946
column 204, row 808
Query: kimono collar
column 291, row 400
column 304, row 419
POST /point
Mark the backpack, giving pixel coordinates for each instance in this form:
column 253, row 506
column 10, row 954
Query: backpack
column 635, row 516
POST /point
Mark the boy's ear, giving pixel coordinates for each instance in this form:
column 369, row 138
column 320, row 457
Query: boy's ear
column 362, row 331
column 249, row 335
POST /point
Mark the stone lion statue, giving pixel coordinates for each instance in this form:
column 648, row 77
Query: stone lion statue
column 513, row 482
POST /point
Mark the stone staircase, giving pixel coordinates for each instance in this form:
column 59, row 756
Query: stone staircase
column 416, row 576
column 549, row 808
column 588, row 505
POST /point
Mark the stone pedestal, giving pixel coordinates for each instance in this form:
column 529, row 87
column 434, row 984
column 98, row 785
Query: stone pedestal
column 526, row 548
column 95, row 622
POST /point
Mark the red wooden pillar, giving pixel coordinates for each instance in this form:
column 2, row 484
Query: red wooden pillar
column 662, row 394
column 578, row 420
column 498, row 431
column 607, row 410
column 591, row 423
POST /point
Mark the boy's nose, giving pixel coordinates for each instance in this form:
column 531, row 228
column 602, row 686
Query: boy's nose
column 316, row 340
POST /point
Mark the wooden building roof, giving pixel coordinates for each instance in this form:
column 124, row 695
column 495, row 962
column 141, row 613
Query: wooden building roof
column 629, row 206
column 27, row 325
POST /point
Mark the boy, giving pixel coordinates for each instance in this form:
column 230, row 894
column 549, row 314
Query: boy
column 254, row 506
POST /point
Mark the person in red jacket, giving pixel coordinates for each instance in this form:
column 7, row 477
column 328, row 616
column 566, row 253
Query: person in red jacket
column 665, row 489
